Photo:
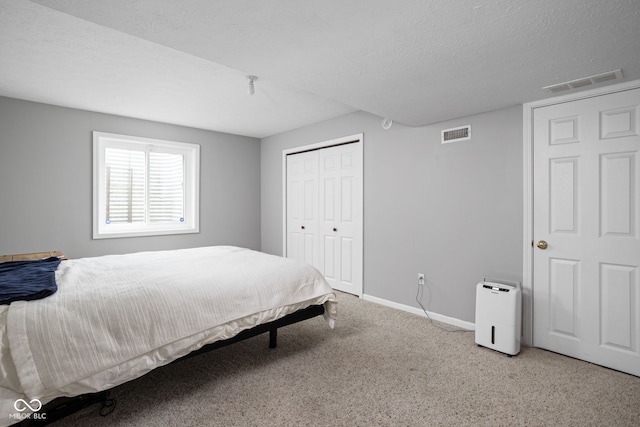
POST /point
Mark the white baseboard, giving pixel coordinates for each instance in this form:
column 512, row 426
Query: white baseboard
column 435, row 316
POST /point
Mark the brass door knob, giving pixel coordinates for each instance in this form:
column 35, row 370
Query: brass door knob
column 542, row 244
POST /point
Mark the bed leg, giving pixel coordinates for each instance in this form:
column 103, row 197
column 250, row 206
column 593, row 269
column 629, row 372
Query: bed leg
column 273, row 338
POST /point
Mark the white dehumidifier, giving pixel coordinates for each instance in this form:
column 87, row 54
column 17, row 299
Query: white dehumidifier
column 498, row 317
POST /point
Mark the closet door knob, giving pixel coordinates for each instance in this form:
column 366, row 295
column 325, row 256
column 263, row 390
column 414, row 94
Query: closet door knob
column 302, row 227
column 542, row 244
column 335, row 229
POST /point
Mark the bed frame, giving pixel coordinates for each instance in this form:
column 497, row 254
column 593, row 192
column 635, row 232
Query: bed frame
column 64, row 406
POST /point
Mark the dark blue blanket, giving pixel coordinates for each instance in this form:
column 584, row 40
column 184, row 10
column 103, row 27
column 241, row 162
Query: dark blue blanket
column 27, row 280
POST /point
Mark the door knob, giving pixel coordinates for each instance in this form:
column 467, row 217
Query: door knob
column 302, row 227
column 542, row 244
column 335, row 229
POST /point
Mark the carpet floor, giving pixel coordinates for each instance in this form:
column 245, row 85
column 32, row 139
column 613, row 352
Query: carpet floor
column 378, row 367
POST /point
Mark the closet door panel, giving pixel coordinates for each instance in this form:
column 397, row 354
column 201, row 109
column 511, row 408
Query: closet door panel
column 302, row 207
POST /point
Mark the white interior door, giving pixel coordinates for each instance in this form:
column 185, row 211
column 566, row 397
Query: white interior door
column 302, row 207
column 586, row 281
column 340, row 212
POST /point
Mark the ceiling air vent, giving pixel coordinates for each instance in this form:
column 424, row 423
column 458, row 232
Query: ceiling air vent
column 456, row 134
column 585, row 81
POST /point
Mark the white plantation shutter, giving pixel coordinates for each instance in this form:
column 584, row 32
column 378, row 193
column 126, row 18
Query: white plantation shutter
column 166, row 187
column 126, row 177
column 144, row 186
column 130, row 172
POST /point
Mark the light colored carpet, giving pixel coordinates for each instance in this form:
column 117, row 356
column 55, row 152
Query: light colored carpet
column 379, row 367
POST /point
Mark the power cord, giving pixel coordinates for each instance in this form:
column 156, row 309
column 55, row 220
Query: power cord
column 419, row 296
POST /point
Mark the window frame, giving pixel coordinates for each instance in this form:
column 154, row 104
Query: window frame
column 191, row 152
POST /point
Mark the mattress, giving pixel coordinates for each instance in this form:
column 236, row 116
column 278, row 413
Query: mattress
column 115, row 318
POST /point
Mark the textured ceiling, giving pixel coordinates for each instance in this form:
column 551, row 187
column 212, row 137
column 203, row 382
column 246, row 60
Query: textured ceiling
column 417, row 62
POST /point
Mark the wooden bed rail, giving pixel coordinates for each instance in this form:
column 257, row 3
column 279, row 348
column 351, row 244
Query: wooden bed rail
column 31, row 256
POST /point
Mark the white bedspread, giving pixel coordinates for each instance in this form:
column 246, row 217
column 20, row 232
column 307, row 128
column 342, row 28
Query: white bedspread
column 111, row 312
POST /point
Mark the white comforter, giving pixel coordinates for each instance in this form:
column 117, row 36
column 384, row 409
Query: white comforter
column 116, row 317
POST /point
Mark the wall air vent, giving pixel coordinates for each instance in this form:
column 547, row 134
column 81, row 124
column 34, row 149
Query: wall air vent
column 585, row 81
column 456, row 134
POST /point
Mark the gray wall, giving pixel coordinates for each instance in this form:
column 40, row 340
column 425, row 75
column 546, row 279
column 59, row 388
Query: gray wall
column 453, row 212
column 46, row 182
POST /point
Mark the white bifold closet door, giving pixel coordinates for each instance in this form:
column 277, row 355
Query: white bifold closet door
column 324, row 213
column 302, row 207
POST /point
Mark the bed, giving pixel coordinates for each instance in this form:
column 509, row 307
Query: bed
column 114, row 318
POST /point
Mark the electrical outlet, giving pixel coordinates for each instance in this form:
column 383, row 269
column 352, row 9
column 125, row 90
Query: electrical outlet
column 420, row 278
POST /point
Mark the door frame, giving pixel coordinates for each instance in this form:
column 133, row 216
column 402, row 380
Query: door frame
column 527, row 153
column 358, row 137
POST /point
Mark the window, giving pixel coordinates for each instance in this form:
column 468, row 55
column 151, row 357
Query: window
column 144, row 187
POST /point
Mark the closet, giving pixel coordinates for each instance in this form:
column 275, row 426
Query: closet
column 324, row 210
